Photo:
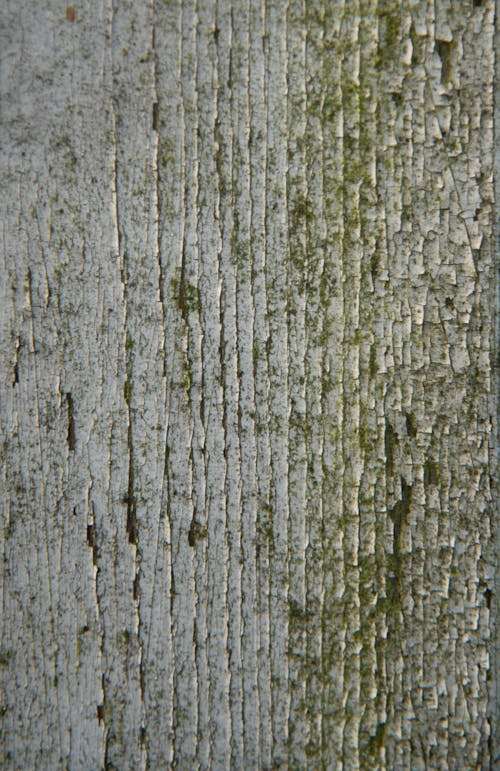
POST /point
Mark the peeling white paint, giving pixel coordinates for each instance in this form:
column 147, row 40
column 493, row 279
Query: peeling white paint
column 247, row 322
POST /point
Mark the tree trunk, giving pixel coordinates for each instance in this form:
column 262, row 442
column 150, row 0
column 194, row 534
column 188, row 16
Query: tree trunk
column 247, row 412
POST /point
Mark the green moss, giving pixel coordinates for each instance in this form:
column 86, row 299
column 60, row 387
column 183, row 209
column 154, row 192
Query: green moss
column 431, row 473
column 312, row 749
column 188, row 298
column 71, row 161
column 187, row 379
column 411, row 425
column 400, row 515
column 6, row 657
column 391, row 443
column 127, row 390
column 197, row 532
column 363, row 434
column 9, row 531
column 300, row 213
column 389, row 14
column 166, row 153
column 358, row 337
column 377, row 742
column 445, row 51
column 265, row 529
column 297, row 613
column 240, row 253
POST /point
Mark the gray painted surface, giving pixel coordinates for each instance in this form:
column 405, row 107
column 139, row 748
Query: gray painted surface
column 247, row 329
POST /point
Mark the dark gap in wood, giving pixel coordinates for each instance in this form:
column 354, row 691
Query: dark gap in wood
column 71, row 423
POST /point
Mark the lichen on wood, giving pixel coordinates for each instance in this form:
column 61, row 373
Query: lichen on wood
column 248, row 414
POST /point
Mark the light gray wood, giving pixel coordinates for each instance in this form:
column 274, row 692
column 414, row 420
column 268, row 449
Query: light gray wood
column 247, row 413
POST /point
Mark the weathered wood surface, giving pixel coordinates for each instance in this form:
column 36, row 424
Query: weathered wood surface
column 247, row 303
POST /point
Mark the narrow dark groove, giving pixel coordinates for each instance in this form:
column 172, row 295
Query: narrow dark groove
column 91, row 539
column 71, row 423
column 16, row 365
column 399, row 514
column 130, row 498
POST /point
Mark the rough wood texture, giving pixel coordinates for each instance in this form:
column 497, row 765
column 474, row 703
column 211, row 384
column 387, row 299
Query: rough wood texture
column 247, row 320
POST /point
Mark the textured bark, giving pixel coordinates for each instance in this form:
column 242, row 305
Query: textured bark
column 247, row 407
